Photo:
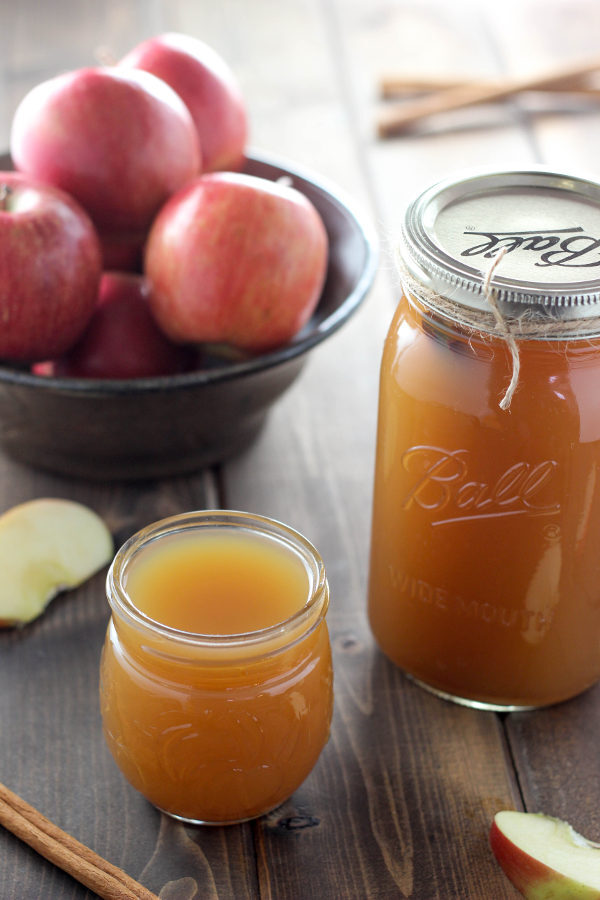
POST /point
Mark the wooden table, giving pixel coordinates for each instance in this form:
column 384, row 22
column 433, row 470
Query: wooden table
column 401, row 801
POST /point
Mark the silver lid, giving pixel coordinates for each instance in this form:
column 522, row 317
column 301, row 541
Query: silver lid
column 548, row 222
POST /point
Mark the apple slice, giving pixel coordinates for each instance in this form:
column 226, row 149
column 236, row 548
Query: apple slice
column 47, row 545
column 545, row 858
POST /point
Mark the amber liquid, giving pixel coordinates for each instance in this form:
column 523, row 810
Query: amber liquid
column 485, row 556
column 216, row 736
column 221, row 585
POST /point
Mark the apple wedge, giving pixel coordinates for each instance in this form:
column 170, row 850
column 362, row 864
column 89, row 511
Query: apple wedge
column 545, row 858
column 47, row 545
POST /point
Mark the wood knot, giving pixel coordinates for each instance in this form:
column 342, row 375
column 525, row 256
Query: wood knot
column 348, row 643
column 294, row 823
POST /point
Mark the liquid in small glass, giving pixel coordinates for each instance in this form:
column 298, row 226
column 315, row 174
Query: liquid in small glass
column 216, row 675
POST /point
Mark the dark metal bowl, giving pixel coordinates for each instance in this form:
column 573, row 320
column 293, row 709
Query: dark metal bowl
column 169, row 425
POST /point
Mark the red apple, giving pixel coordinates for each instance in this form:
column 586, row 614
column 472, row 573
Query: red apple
column 236, row 259
column 119, row 140
column 122, row 339
column 209, row 89
column 545, row 858
column 49, row 269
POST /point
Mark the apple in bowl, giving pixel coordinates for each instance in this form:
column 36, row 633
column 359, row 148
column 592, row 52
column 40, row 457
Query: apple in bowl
column 50, row 266
column 236, row 259
column 121, row 340
column 209, row 89
column 545, row 858
column 119, row 140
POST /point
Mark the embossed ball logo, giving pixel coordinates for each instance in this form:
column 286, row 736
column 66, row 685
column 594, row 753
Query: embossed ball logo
column 441, row 483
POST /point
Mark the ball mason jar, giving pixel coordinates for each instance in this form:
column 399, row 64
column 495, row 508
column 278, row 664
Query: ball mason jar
column 484, row 582
column 216, row 728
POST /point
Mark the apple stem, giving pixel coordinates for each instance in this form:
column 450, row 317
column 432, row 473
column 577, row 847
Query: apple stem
column 5, row 192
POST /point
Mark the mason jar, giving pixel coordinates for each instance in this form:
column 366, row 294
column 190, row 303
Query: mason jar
column 484, row 582
column 218, row 725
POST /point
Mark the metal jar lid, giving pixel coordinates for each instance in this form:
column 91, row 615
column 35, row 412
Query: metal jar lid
column 548, row 222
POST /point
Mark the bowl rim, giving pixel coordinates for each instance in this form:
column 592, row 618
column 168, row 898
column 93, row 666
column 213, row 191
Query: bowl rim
column 301, row 343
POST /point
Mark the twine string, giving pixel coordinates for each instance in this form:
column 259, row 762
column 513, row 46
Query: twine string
column 503, row 328
column 530, row 322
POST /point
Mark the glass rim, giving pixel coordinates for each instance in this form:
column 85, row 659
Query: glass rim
column 317, row 589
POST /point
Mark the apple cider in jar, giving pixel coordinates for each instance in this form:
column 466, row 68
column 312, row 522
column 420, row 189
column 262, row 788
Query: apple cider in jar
column 485, row 552
column 216, row 677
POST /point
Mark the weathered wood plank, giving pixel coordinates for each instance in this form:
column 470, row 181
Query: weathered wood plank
column 400, row 803
column 565, row 131
column 391, row 809
column 393, row 774
column 556, row 754
column 555, row 750
column 51, row 746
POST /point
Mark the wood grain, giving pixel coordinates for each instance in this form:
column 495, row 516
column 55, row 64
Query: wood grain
column 370, row 840
column 401, row 801
column 51, row 745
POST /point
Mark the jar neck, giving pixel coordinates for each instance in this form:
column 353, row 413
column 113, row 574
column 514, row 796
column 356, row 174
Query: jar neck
column 166, row 641
column 532, row 325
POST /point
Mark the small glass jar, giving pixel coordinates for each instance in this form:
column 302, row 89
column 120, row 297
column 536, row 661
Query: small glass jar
column 216, row 728
column 485, row 553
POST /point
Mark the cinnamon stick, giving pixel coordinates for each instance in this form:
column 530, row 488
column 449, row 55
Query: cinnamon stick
column 392, row 86
column 60, row 848
column 398, row 117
